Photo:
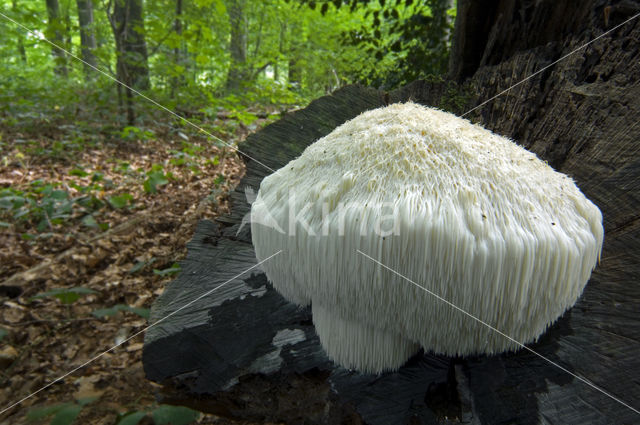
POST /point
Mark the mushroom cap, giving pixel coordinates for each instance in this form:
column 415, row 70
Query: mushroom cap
column 464, row 213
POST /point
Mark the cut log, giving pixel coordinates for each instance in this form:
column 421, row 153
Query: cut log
column 243, row 352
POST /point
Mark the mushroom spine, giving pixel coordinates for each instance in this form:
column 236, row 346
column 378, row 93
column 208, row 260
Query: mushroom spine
column 463, row 212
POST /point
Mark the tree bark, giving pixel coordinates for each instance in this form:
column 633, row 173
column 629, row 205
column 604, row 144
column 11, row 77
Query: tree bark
column 237, row 46
column 441, row 21
column 132, row 69
column 55, row 33
column 21, row 49
column 127, row 23
column 276, row 62
column 178, row 53
column 489, row 32
column 295, row 73
column 87, row 35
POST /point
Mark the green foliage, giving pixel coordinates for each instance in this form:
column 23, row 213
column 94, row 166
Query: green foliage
column 155, row 177
column 63, row 414
column 3, row 333
column 112, row 311
column 132, row 418
column 121, row 201
column 45, row 206
column 295, row 51
column 404, row 40
column 79, row 172
column 163, row 414
column 141, row 265
column 174, row 415
column 133, row 133
column 175, row 268
column 219, row 180
column 66, row 295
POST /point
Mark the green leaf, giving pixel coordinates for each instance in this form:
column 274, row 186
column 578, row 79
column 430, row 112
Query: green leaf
column 86, row 400
column 42, row 225
column 175, row 268
column 3, row 333
column 155, row 178
column 66, row 415
column 132, row 418
column 89, row 221
column 58, row 195
column 103, row 312
column 39, row 413
column 140, row 265
column 218, row 180
column 78, row 172
column 142, row 312
column 120, row 201
column 129, row 130
column 12, row 202
column 66, row 295
column 4, row 224
column 174, row 415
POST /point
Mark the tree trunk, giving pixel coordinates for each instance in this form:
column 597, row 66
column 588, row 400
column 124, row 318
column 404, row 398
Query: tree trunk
column 55, row 33
column 21, row 49
column 238, row 45
column 87, row 35
column 294, row 70
column 276, row 62
column 295, row 73
column 441, row 21
column 486, row 33
column 178, row 53
column 127, row 23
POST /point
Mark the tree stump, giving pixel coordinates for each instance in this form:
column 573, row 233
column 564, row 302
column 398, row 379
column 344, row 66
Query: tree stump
column 244, row 352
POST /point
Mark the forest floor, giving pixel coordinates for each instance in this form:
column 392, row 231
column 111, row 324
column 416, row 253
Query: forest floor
column 90, row 233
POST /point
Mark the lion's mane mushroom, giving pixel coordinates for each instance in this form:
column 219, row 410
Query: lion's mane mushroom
column 476, row 219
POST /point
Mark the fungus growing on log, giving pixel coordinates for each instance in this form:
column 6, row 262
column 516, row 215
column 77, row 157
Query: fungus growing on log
column 465, row 213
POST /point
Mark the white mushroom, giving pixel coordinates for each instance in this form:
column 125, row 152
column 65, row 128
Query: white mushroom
column 463, row 212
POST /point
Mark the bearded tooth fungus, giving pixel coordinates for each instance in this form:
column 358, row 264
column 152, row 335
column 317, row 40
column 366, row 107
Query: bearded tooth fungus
column 463, row 212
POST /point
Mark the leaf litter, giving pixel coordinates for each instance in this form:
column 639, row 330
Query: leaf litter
column 85, row 280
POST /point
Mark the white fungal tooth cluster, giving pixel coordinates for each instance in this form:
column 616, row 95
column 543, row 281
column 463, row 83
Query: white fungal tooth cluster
column 467, row 214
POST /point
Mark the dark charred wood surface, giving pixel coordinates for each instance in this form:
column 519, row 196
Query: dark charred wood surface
column 243, row 352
